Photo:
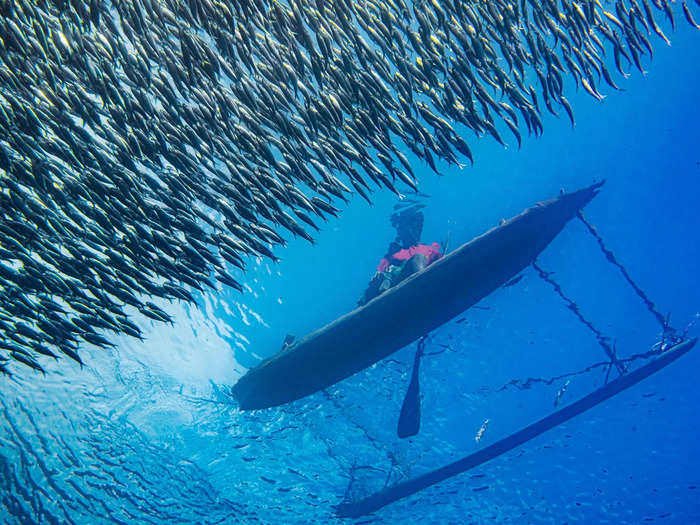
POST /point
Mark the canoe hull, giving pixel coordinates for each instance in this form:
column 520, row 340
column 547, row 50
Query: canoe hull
column 410, row 310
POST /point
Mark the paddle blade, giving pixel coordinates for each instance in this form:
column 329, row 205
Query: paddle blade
column 409, row 419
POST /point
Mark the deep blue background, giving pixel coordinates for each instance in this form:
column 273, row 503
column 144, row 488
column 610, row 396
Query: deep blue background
column 149, row 433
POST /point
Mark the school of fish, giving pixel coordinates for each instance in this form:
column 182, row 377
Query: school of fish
column 149, row 146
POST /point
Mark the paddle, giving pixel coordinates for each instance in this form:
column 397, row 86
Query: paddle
column 409, row 419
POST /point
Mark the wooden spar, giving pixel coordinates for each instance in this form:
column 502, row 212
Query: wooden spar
column 408, row 311
column 411, row 486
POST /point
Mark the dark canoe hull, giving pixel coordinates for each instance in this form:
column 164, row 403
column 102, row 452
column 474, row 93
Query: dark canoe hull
column 410, row 310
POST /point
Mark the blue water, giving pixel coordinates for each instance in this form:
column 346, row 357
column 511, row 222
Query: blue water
column 149, row 434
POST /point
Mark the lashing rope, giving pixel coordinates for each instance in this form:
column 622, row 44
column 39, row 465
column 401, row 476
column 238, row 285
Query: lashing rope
column 526, row 384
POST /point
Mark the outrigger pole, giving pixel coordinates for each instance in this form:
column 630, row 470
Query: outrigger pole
column 571, row 305
column 610, row 256
column 407, row 488
column 603, row 340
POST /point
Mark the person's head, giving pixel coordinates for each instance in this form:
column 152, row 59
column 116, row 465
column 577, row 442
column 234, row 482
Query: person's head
column 409, row 226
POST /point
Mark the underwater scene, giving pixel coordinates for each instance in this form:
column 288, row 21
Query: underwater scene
column 334, row 261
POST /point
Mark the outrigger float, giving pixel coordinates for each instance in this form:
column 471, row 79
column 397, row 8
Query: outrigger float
column 402, row 490
column 455, row 282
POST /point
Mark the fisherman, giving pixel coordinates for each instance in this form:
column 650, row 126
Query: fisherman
column 405, row 255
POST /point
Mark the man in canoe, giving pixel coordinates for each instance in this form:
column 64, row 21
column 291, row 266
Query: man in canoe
column 405, row 255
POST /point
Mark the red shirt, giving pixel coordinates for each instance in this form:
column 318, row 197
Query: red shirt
column 431, row 252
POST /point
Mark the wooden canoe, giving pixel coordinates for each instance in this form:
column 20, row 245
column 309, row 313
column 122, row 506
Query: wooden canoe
column 404, row 313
